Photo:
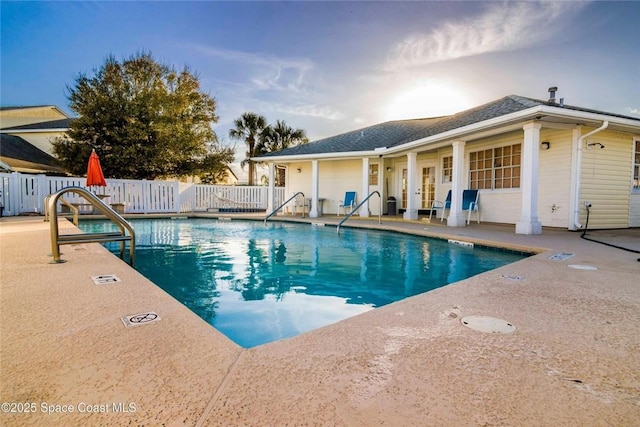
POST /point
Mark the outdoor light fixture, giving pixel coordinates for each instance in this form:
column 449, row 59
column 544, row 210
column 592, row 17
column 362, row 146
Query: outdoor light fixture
column 389, row 169
column 595, row 144
column 545, row 145
column 299, row 170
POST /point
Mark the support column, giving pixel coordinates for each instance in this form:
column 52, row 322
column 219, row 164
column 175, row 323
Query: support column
column 529, row 223
column 271, row 189
column 313, row 213
column 412, row 211
column 364, row 209
column 456, row 218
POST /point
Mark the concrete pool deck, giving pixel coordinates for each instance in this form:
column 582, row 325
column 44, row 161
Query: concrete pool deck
column 574, row 359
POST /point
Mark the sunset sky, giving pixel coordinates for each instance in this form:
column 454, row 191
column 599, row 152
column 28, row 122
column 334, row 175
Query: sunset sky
column 331, row 67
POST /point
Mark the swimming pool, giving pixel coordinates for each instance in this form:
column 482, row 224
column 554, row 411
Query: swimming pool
column 259, row 283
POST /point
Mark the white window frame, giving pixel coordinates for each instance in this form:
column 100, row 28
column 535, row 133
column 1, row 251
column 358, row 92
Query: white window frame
column 445, row 169
column 493, row 167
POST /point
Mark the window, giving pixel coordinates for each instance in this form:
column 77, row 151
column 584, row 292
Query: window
column 495, row 168
column 447, row 169
column 373, row 174
column 636, row 167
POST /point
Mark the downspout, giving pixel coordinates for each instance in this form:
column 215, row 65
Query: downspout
column 576, row 211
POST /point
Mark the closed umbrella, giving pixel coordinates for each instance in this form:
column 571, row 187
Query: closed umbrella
column 94, row 171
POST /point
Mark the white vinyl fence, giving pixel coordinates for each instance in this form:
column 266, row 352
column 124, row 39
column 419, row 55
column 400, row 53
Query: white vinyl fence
column 24, row 194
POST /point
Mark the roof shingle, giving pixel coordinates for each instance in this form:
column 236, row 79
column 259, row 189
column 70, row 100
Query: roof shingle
column 394, row 133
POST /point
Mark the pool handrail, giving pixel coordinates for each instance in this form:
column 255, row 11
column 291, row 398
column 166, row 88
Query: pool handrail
column 358, row 207
column 106, row 210
column 282, row 205
column 72, row 209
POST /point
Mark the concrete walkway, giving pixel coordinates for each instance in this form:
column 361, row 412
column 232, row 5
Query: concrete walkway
column 66, row 357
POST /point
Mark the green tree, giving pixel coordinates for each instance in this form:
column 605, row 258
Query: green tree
column 214, row 168
column 249, row 127
column 145, row 120
column 280, row 137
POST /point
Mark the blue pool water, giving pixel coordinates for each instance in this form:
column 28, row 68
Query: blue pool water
column 259, row 283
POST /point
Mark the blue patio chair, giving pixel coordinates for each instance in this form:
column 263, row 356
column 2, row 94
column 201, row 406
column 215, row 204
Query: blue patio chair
column 439, row 205
column 470, row 204
column 348, row 202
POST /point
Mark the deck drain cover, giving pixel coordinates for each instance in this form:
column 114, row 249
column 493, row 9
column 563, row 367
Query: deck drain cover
column 140, row 319
column 105, row 279
column 561, row 256
column 582, row 267
column 488, row 324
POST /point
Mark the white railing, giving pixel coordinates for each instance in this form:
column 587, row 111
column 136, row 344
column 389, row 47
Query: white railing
column 24, row 194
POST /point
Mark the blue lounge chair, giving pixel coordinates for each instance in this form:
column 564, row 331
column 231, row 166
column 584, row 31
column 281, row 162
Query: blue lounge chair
column 348, row 202
column 439, row 205
column 470, row 204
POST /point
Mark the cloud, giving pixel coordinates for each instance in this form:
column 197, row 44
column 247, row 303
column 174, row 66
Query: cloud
column 502, row 27
column 310, row 110
column 634, row 111
column 267, row 72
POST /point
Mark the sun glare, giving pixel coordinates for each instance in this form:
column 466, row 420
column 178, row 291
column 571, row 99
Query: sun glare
column 426, row 100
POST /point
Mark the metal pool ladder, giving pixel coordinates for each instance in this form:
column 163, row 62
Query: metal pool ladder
column 280, row 207
column 358, row 207
column 58, row 239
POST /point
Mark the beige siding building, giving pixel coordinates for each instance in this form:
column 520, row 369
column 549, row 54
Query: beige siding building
column 533, row 163
column 27, row 133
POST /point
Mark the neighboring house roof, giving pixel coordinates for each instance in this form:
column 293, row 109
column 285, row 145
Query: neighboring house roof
column 24, row 115
column 399, row 132
column 20, row 154
column 40, row 126
column 232, row 173
column 26, row 107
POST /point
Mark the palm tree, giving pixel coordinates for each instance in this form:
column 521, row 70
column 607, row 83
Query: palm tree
column 249, row 127
column 283, row 136
column 280, row 137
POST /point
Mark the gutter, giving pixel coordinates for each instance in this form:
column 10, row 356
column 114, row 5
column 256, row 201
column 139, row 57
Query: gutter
column 576, row 210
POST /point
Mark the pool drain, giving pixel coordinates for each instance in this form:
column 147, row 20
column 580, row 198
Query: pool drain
column 488, row 324
column 561, row 256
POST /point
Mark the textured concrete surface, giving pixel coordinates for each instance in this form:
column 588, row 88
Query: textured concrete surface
column 573, row 360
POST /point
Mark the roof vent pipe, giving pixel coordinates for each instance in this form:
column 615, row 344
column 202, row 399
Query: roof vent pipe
column 552, row 94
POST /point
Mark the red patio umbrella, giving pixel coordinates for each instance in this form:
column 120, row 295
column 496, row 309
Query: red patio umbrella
column 94, row 171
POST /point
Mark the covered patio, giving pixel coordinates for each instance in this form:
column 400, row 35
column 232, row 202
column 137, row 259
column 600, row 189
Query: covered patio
column 534, row 163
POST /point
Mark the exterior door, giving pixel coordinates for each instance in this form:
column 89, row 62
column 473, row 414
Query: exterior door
column 426, row 188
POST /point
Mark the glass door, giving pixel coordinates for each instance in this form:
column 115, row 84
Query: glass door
column 426, row 191
column 427, row 187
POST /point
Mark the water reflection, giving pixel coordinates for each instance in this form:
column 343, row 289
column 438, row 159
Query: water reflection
column 260, row 283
